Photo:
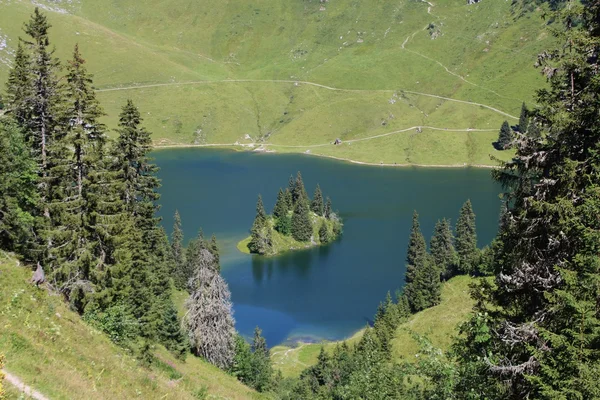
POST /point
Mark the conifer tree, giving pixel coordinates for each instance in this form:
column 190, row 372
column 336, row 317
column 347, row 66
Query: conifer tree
column 298, row 191
column 192, row 253
column 289, row 202
column 424, row 290
column 533, row 131
column 177, row 250
column 260, row 240
column 213, row 247
column 505, row 137
column 466, row 239
column 524, row 119
column 171, row 334
column 19, row 87
column 316, row 205
column 281, row 207
column 261, row 363
column 538, row 324
column 241, row 367
column 301, row 223
column 18, row 197
column 442, row 250
column 417, row 249
column 283, row 225
column 324, row 233
column 209, row 318
column 327, row 211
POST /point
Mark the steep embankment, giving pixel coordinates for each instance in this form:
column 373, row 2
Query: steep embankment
column 438, row 323
column 296, row 75
column 50, row 349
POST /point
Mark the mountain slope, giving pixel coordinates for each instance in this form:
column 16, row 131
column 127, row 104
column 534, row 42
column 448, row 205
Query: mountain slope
column 227, row 72
column 52, row 350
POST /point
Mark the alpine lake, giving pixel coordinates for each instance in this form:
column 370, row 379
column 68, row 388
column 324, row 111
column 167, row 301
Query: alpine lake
column 321, row 293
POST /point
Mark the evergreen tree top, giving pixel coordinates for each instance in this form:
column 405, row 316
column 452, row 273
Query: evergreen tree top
column 38, row 27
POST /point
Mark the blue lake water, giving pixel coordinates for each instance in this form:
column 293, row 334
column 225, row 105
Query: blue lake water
column 327, row 292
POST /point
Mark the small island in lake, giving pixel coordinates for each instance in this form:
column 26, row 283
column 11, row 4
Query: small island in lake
column 297, row 222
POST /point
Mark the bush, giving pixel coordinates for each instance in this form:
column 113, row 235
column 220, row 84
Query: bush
column 115, row 321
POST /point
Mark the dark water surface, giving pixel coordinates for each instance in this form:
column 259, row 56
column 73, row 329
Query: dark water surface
column 321, row 293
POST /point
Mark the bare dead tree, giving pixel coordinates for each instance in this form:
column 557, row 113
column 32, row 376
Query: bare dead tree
column 209, row 319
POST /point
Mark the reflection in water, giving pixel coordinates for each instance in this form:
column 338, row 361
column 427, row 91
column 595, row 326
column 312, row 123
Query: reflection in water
column 298, row 262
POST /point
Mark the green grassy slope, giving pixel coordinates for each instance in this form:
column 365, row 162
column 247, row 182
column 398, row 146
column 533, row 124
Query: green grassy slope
column 215, row 71
column 438, row 323
column 52, row 350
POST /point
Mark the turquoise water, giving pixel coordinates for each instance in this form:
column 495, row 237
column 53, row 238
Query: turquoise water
column 327, row 292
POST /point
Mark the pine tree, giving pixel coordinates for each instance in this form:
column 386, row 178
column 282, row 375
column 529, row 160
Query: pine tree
column 505, row 137
column 209, row 318
column 281, row 208
column 442, row 250
column 538, row 324
column 327, row 212
column 171, row 334
column 466, row 239
column 241, row 367
column 299, row 192
column 177, row 249
column 417, row 249
column 289, row 202
column 316, row 205
column 260, row 241
column 524, row 119
column 301, row 223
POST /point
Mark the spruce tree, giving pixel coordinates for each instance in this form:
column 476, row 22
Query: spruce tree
column 19, row 87
column 327, row 211
column 299, row 192
column 505, row 137
column 18, row 199
column 417, row 249
column 260, row 240
column 424, row 290
column 324, row 233
column 524, row 119
column 261, row 363
column 177, row 249
column 281, row 207
column 316, row 205
column 289, row 202
column 241, row 367
column 213, row 247
column 442, row 250
column 301, row 223
column 171, row 334
column 466, row 239
column 540, row 318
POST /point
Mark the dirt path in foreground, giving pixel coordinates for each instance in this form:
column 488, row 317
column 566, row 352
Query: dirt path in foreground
column 19, row 384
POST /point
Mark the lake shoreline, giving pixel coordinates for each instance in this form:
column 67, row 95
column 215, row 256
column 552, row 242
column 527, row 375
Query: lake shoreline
column 262, row 149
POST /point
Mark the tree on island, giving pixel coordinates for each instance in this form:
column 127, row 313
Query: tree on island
column 505, row 137
column 316, row 205
column 301, row 224
column 327, row 211
column 324, row 233
column 260, row 237
column 298, row 191
column 281, row 207
column 466, row 239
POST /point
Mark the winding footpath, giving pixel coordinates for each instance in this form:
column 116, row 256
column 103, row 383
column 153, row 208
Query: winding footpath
column 23, row 388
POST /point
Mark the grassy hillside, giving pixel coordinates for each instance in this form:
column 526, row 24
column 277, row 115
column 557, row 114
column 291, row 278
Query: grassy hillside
column 437, row 323
column 52, row 350
column 296, row 75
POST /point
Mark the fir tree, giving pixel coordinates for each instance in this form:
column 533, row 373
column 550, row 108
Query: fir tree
column 301, row 223
column 505, row 137
column 261, row 363
column 177, row 249
column 538, row 324
column 424, row 290
column 316, row 205
column 466, row 239
column 416, row 251
column 171, row 334
column 289, row 202
column 241, row 367
column 281, row 208
column 442, row 250
column 283, row 225
column 524, row 119
column 533, row 131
